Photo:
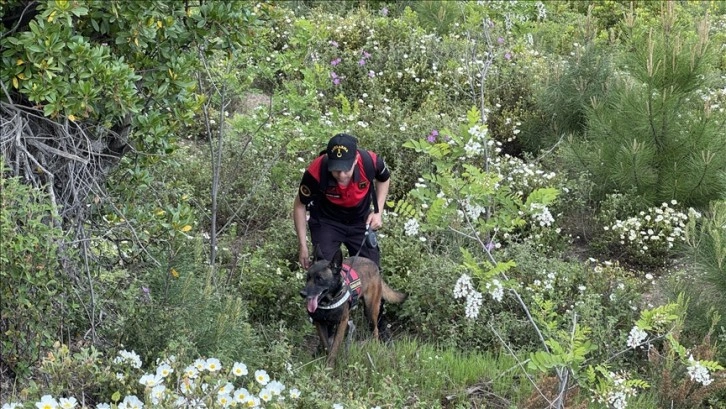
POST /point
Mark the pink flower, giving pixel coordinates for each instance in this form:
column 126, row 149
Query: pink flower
column 507, row 56
column 335, row 62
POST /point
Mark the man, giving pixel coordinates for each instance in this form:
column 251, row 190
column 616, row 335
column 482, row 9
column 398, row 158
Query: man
column 337, row 190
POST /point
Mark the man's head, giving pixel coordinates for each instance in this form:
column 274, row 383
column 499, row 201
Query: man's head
column 342, row 151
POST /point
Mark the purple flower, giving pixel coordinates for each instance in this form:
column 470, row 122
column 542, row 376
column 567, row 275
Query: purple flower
column 489, row 246
column 335, row 62
column 366, row 54
column 361, row 62
column 336, row 81
column 384, row 11
column 500, row 40
column 334, row 43
column 371, row 73
column 432, row 136
column 507, row 56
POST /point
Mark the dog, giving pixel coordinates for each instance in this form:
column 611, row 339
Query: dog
column 331, row 289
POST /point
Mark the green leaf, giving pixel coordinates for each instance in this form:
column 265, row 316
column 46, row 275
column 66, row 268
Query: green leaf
column 545, row 196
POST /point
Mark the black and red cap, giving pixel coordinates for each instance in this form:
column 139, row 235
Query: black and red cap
column 342, row 151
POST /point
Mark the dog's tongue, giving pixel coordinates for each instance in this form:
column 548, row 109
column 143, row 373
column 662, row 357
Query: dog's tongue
column 313, row 304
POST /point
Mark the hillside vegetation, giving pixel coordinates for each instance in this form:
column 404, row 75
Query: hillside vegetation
column 557, row 211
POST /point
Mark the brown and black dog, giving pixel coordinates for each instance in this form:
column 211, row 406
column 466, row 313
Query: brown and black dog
column 330, row 289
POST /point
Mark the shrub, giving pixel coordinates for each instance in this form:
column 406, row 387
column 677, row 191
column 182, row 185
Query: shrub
column 651, row 237
column 89, row 378
column 35, row 292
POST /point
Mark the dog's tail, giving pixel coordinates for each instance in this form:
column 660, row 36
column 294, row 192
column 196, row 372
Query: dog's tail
column 392, row 295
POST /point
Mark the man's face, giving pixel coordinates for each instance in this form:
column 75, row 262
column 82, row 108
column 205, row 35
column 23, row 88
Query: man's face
column 344, row 176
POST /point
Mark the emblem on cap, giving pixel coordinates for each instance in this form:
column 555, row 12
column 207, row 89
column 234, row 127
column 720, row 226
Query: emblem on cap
column 304, row 190
column 339, row 149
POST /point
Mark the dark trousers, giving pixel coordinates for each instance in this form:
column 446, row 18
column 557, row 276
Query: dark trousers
column 328, row 235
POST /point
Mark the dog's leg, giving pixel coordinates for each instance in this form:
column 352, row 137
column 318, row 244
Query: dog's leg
column 375, row 309
column 339, row 335
column 323, row 334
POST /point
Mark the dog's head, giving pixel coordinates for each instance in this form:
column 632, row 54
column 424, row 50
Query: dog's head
column 323, row 281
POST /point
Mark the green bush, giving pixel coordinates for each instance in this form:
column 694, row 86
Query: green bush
column 605, row 297
column 36, row 298
column 649, row 237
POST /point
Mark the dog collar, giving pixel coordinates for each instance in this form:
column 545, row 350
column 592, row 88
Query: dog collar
column 343, row 298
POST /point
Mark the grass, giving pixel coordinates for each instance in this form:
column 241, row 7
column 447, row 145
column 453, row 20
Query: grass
column 411, row 374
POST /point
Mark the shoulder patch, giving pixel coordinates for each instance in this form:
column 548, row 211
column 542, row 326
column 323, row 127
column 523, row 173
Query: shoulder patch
column 305, row 191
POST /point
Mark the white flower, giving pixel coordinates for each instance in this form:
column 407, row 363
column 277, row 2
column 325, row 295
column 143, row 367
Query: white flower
column 68, row 403
column 262, row 377
column 252, row 402
column 463, row 286
column 224, row 400
column 103, row 406
column 150, row 380
column 265, row 395
column 241, row 395
column 212, row 365
column 131, row 358
column 411, row 227
column 186, row 386
column 495, row 290
column 239, row 369
column 131, row 402
column 200, row 364
column 337, row 406
column 158, row 393
column 698, row 372
column 164, row 370
column 275, row 387
column 191, row 371
column 47, row 402
column 226, row 389
column 12, row 405
column 636, row 337
column 473, row 305
column 294, row 393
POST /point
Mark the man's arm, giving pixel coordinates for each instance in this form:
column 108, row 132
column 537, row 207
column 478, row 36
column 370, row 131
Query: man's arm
column 299, row 218
column 375, row 220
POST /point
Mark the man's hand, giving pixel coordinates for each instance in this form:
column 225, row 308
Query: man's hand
column 375, row 221
column 304, row 258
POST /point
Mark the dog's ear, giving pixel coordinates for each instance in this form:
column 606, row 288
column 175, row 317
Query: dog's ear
column 337, row 262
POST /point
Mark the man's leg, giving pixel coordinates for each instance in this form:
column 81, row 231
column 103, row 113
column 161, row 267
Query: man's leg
column 326, row 238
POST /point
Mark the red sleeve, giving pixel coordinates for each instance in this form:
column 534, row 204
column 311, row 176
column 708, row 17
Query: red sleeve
column 310, row 183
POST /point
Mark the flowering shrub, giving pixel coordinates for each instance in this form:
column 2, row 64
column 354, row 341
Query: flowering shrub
column 207, row 383
column 650, row 237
